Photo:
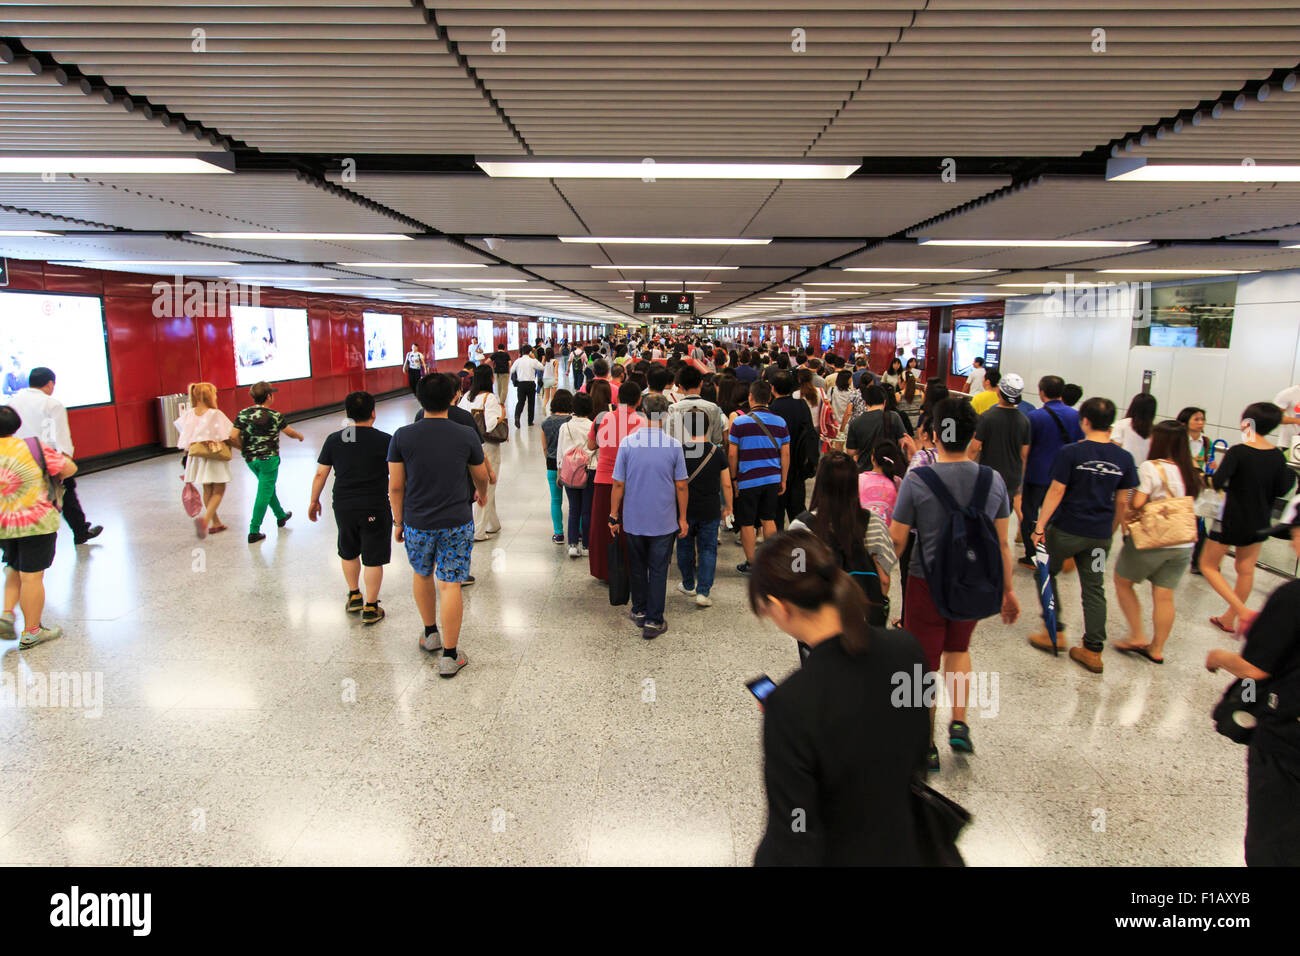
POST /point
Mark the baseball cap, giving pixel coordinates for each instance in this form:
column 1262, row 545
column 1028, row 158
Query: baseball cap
column 1290, row 518
column 1011, row 386
column 261, row 391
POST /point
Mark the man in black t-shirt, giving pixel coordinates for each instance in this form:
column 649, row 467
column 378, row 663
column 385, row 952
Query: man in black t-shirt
column 1002, row 437
column 1271, row 660
column 500, row 360
column 874, row 425
column 358, row 454
column 707, row 475
column 799, row 423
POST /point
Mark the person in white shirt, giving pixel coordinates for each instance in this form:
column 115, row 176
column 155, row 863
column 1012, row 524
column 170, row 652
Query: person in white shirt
column 44, row 417
column 1289, row 401
column 482, row 398
column 524, row 374
column 975, row 380
column 415, row 366
column 1133, row 432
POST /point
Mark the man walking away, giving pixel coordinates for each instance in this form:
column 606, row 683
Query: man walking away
column 805, row 446
column 759, row 457
column 650, row 491
column 524, row 374
column 1002, row 437
column 1052, row 426
column 257, row 433
column 930, row 509
column 709, row 501
column 45, row 418
column 427, row 463
column 358, row 455
column 501, row 372
column 1085, row 503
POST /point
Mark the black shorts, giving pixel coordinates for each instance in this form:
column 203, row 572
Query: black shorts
column 31, row 554
column 757, row 504
column 367, row 533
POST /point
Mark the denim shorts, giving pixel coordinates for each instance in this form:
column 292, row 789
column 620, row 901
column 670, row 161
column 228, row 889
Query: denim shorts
column 446, row 549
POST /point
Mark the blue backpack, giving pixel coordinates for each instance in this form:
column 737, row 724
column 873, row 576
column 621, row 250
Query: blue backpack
column 965, row 578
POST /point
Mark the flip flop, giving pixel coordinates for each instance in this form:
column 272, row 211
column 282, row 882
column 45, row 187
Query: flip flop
column 1221, row 626
column 216, row 528
column 1140, row 652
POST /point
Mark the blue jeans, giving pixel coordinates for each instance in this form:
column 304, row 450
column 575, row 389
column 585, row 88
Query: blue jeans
column 647, row 560
column 580, row 510
column 704, row 535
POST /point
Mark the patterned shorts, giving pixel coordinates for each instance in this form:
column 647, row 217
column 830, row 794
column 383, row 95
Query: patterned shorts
column 447, row 549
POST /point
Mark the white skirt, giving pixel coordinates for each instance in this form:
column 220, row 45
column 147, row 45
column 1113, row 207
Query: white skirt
column 202, row 471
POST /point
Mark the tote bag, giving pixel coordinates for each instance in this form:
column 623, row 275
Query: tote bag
column 619, row 587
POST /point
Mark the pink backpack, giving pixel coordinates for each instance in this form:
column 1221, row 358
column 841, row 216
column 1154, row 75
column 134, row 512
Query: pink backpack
column 573, row 468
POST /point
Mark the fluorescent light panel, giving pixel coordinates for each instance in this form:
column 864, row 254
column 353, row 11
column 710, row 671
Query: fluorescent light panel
column 671, row 268
column 1137, row 170
column 310, row 236
column 1177, row 272
column 1039, row 243
column 668, row 169
column 414, row 265
column 120, row 164
column 664, row 241
column 155, row 263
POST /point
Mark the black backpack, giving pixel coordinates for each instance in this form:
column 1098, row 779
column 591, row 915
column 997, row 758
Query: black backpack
column 861, row 567
column 965, row 578
column 806, row 453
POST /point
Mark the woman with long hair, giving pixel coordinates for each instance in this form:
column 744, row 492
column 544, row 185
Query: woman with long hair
column 809, row 392
column 857, row 536
column 893, row 376
column 1168, row 472
column 611, row 424
column 878, row 488
column 1193, row 420
column 573, row 433
column 481, row 397
column 1133, row 431
column 204, row 422
column 550, row 378
column 910, row 398
column 837, row 753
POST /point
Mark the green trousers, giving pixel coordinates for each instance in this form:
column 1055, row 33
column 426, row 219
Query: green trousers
column 266, row 469
column 1089, row 556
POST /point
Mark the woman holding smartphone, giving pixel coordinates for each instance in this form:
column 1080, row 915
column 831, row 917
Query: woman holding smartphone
column 839, row 755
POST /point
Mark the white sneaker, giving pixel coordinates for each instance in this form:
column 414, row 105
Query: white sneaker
column 690, row 592
column 584, row 552
column 573, row 550
column 703, row 600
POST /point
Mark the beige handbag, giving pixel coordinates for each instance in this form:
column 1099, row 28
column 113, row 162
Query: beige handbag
column 210, row 449
column 1166, row 523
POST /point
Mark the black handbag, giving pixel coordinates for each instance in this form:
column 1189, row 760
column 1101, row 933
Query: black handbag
column 1237, row 713
column 938, row 822
column 620, row 591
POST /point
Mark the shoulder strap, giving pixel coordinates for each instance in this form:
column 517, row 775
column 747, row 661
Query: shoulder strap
column 983, row 484
column 937, row 487
column 34, row 446
column 1065, row 435
column 704, row 461
column 770, row 437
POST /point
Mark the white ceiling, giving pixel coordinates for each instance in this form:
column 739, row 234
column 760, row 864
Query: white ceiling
column 1013, row 90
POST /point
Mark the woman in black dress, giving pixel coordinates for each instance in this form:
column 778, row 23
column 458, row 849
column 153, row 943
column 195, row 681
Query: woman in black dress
column 1252, row 476
column 841, row 744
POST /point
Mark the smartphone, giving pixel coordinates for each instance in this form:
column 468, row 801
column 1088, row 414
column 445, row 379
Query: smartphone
column 760, row 687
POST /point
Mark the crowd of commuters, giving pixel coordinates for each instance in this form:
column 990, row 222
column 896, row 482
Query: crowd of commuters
column 677, row 445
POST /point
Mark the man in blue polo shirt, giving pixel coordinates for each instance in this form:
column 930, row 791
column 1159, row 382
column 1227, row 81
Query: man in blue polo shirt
column 1051, row 427
column 759, row 456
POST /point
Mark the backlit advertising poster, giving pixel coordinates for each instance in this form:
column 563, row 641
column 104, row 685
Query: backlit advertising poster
column 485, row 336
column 512, row 336
column 382, row 333
column 532, row 333
column 270, row 344
column 444, row 337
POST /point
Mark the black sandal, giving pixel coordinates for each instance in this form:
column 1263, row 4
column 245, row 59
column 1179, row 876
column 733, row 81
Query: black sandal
column 1140, row 652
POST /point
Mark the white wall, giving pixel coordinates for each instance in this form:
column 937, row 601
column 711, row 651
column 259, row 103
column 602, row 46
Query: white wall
column 1091, row 347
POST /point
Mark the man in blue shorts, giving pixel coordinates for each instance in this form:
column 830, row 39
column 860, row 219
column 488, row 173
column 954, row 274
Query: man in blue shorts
column 427, row 463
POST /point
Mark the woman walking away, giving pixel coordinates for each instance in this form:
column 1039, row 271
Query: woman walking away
column 611, row 425
column 550, row 378
column 29, row 527
column 838, row 755
column 858, row 538
column 579, row 483
column 878, row 488
column 482, row 400
column 1252, row 475
column 561, row 412
column 203, row 423
column 1133, row 431
column 1193, row 420
column 1167, row 473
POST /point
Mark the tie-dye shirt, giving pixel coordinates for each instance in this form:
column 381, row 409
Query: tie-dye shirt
column 25, row 506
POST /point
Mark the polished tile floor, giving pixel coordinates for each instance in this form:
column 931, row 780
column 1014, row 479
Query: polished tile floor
column 245, row 718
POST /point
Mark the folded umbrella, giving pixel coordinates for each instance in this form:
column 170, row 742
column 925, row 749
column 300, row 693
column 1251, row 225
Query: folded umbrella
column 1046, row 593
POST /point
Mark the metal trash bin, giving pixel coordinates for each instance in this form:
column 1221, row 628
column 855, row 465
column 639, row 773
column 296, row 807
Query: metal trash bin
column 170, row 408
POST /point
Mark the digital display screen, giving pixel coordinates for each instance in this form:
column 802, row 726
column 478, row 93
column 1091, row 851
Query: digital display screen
column 383, row 336
column 445, row 345
column 485, row 336
column 805, row 336
column 64, row 333
column 828, row 337
column 512, row 336
column 1174, row 336
column 271, row 345
column 972, row 339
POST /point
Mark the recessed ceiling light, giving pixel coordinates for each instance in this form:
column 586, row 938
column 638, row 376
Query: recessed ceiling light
column 26, row 234
column 121, row 164
column 918, row 269
column 863, row 285
column 650, row 169
column 310, row 236
column 1039, row 243
column 664, row 241
column 1138, row 170
column 155, row 263
column 414, row 265
column 1179, row 272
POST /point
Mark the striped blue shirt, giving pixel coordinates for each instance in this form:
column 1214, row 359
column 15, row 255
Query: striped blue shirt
column 758, row 459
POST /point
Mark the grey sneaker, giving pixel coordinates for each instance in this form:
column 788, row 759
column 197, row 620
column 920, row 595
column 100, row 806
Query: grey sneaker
column 40, row 637
column 651, row 631
column 7, row 632
column 431, row 642
column 703, row 600
column 681, row 586
column 637, row 619
column 448, row 666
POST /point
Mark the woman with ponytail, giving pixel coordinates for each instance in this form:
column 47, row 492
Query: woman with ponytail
column 878, row 488
column 842, row 739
